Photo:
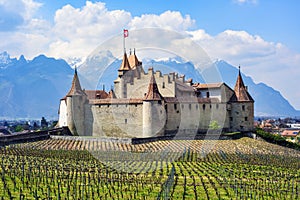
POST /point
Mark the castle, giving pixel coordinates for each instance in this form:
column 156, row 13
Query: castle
column 148, row 104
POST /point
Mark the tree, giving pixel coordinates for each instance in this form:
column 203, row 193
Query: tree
column 44, row 123
column 19, row 128
column 214, row 125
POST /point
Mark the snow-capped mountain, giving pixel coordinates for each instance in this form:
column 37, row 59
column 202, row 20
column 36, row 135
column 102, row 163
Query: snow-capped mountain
column 75, row 62
column 5, row 59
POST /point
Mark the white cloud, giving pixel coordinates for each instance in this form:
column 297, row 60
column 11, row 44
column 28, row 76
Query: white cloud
column 83, row 29
column 237, row 45
column 172, row 20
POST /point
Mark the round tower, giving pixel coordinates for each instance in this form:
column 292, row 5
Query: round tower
column 154, row 114
column 242, row 112
column 76, row 100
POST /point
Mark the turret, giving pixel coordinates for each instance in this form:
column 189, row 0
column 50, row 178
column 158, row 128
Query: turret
column 124, row 66
column 240, row 89
column 133, row 60
column 154, row 114
column 242, row 112
column 76, row 100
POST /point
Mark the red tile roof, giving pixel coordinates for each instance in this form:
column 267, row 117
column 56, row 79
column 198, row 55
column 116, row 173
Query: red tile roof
column 133, row 60
column 75, row 88
column 240, row 90
column 290, row 133
column 96, row 94
column 207, row 85
column 153, row 92
column 125, row 64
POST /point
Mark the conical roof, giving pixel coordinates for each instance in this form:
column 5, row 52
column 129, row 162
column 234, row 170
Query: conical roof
column 240, row 89
column 125, row 64
column 133, row 60
column 76, row 87
column 153, row 92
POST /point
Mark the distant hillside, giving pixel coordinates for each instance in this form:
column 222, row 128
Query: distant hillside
column 33, row 88
column 268, row 101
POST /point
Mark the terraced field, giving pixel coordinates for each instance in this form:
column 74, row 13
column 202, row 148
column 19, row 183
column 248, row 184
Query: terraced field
column 189, row 169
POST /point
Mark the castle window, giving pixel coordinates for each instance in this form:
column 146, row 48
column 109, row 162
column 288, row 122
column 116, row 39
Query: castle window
column 175, row 106
column 243, row 107
column 135, row 105
column 203, row 106
column 166, row 107
column 108, row 105
column 182, row 106
column 190, row 106
column 163, row 85
column 197, row 106
column 125, row 121
column 99, row 106
column 217, row 106
column 210, row 106
column 231, row 119
column 207, row 94
column 246, row 118
column 159, row 102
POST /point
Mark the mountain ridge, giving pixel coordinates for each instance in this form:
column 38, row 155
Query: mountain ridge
column 33, row 88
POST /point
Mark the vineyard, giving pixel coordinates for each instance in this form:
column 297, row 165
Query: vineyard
column 175, row 169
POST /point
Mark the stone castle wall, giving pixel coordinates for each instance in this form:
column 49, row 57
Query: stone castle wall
column 117, row 120
column 241, row 117
column 136, row 87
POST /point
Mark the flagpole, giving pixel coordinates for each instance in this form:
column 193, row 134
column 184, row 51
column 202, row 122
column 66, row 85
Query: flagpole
column 124, row 41
column 125, row 34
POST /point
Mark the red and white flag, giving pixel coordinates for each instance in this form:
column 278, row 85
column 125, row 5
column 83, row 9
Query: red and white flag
column 126, row 33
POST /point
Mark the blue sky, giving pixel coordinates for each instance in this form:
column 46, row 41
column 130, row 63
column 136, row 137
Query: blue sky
column 273, row 20
column 260, row 35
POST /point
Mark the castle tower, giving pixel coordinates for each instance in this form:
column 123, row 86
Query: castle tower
column 241, row 90
column 124, row 68
column 242, row 114
column 133, row 60
column 154, row 114
column 75, row 101
column 135, row 64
